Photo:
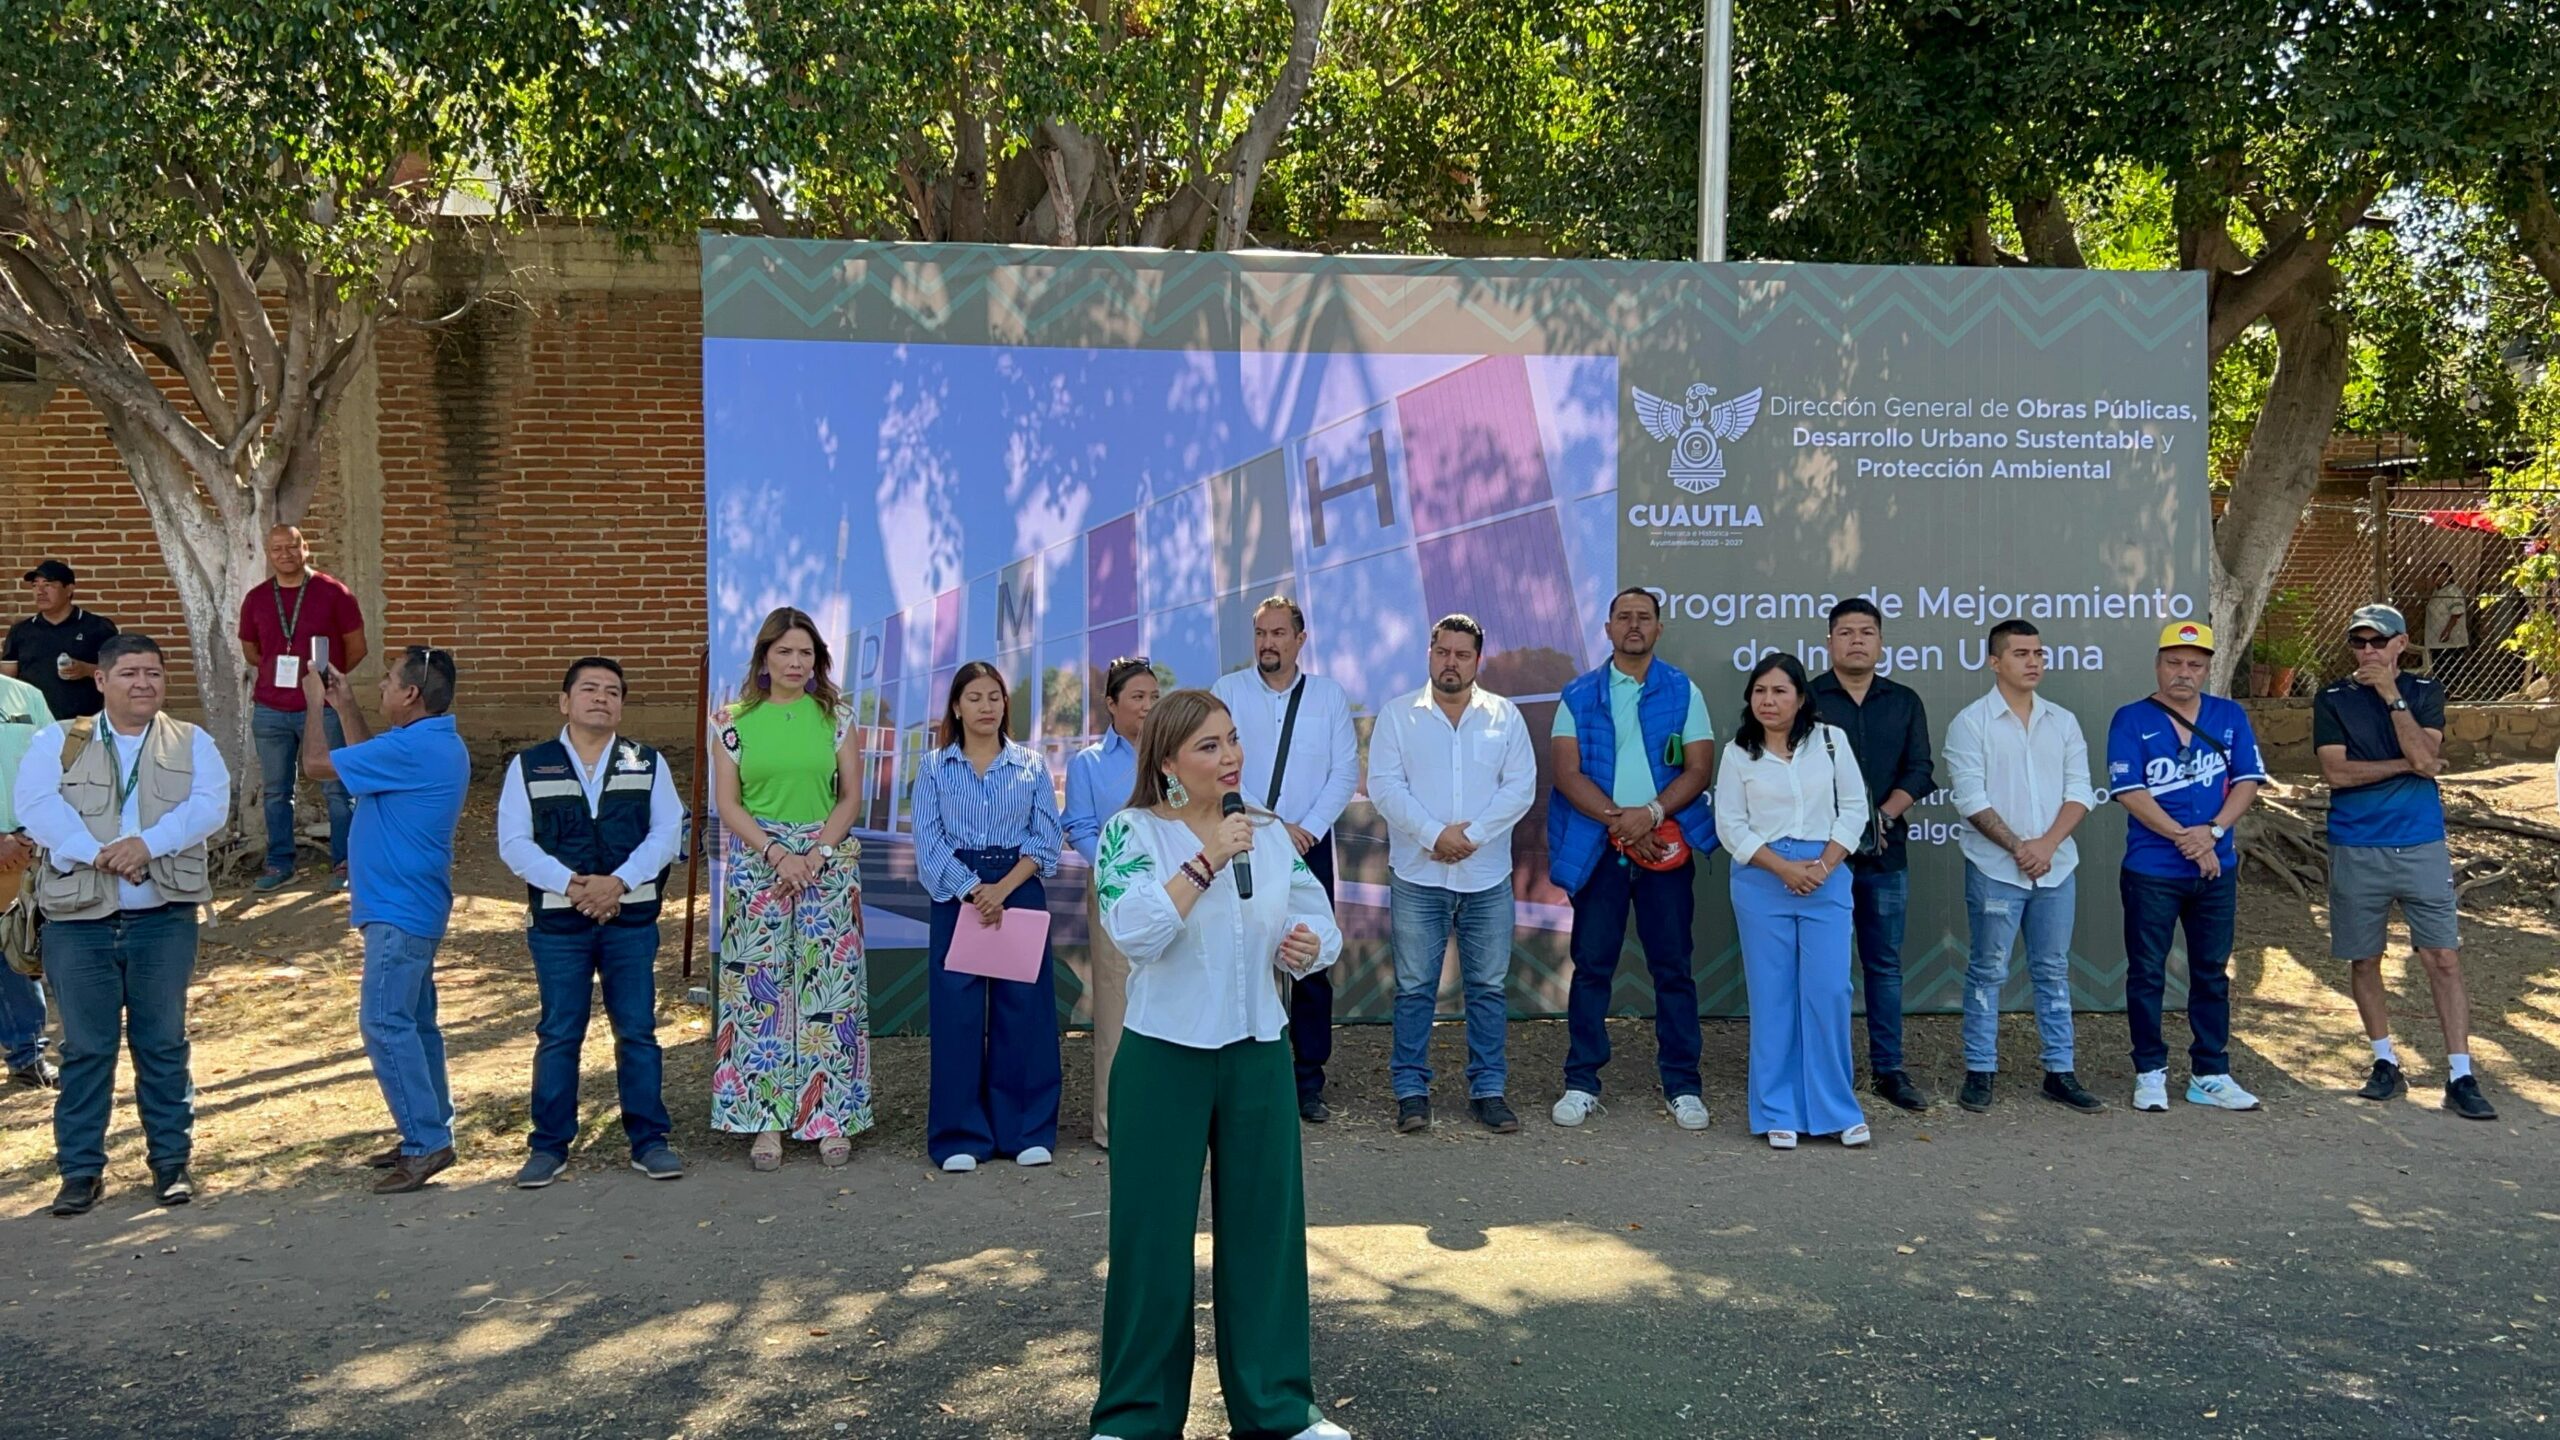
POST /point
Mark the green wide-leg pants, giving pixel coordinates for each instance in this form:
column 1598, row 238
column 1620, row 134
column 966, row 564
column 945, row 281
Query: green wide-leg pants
column 1174, row 1108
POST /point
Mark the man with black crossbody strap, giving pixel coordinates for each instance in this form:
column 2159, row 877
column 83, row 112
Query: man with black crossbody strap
column 2183, row 764
column 1301, row 762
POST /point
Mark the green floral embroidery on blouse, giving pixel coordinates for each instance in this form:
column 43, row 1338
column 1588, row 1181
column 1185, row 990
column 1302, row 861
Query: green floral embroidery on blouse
column 1298, row 867
column 1121, row 862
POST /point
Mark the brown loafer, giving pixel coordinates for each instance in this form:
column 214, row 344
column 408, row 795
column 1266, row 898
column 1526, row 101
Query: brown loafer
column 383, row 1159
column 411, row 1172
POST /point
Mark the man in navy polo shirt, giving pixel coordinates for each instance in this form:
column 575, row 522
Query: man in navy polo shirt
column 2183, row 764
column 2380, row 737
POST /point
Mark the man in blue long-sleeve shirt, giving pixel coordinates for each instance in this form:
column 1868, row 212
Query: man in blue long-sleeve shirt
column 1099, row 780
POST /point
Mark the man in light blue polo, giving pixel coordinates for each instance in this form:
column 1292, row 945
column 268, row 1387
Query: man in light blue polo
column 408, row 784
column 1100, row 779
column 1630, row 748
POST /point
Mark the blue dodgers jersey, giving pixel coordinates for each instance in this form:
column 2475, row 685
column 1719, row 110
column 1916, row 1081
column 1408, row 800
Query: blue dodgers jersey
column 2189, row 781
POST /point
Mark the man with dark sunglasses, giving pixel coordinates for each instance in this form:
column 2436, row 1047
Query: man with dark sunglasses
column 2380, row 738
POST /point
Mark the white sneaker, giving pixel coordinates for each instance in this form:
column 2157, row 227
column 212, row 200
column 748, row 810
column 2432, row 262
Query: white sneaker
column 1856, row 1135
column 2220, row 1092
column 1035, row 1155
column 1576, row 1107
column 2151, row 1091
column 1322, row 1430
column 1782, row 1139
column 960, row 1164
column 1689, row 1111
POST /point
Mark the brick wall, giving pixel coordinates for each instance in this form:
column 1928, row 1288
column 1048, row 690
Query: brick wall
column 522, row 487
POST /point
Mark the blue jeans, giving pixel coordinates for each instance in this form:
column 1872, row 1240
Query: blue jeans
column 1665, row 902
column 22, row 1037
column 1795, row 959
column 995, row 1075
column 567, row 969
column 2154, row 907
column 2000, row 913
column 396, row 1013
column 1424, row 917
column 279, row 738
column 1880, row 898
column 128, row 972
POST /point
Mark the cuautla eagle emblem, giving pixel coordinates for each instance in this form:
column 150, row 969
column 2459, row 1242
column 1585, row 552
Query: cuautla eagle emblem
column 1695, row 427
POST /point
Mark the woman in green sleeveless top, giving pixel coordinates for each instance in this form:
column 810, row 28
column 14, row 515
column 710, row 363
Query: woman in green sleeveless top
column 792, row 1040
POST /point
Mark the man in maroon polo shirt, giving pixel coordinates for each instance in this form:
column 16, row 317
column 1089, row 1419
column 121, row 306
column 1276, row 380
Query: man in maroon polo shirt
column 288, row 622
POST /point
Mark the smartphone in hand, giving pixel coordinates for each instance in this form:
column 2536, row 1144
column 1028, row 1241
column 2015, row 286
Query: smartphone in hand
column 320, row 656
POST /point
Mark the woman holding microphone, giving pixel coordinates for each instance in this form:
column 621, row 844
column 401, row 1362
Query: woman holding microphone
column 986, row 836
column 1790, row 807
column 1207, row 902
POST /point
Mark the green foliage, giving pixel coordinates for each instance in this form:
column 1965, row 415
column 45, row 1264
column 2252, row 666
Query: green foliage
column 2525, row 503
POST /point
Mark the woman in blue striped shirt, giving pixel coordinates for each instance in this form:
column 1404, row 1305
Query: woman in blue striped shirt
column 987, row 834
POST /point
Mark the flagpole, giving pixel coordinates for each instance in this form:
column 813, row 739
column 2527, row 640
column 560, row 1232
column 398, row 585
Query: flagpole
column 1715, row 117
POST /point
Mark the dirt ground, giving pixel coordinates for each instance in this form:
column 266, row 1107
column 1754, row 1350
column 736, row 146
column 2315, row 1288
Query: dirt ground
column 2324, row 1267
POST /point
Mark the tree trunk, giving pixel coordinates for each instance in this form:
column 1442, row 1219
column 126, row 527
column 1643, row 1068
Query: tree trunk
column 211, row 569
column 2281, row 467
column 2538, row 224
column 1271, row 119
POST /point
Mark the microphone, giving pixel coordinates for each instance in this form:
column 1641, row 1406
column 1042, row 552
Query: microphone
column 1233, row 804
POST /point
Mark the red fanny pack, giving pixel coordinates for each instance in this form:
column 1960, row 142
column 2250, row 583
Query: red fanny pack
column 1675, row 847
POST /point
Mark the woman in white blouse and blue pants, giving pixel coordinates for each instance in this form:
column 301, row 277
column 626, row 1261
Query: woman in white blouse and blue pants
column 1790, row 808
column 1204, row 1077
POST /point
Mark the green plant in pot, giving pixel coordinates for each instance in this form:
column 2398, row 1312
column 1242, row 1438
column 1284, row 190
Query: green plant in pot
column 2292, row 657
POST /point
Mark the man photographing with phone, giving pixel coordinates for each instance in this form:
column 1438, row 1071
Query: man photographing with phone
column 408, row 784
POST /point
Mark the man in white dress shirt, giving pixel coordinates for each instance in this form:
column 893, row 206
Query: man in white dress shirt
column 1451, row 770
column 589, row 820
column 1301, row 762
column 120, row 804
column 2019, row 769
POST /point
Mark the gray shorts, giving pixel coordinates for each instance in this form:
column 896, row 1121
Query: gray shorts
column 2365, row 879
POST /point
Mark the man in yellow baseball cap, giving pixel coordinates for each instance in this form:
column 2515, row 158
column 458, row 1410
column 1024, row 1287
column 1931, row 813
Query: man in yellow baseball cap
column 2183, row 764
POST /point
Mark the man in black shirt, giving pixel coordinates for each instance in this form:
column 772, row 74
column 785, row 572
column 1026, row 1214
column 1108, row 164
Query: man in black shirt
column 56, row 648
column 1889, row 732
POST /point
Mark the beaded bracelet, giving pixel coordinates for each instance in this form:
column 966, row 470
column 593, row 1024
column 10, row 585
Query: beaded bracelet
column 1197, row 871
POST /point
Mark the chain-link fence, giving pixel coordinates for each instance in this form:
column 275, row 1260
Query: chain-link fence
column 2429, row 551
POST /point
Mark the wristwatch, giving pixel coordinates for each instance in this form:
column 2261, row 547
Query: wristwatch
column 2219, row 831
column 826, row 852
column 2400, row 704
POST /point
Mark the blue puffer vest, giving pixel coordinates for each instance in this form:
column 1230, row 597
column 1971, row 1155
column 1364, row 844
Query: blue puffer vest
column 1576, row 843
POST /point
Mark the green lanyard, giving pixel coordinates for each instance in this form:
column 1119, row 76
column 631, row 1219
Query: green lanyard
column 127, row 779
column 301, row 593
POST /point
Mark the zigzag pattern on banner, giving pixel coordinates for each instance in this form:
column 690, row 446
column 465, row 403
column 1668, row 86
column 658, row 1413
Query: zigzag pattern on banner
column 798, row 289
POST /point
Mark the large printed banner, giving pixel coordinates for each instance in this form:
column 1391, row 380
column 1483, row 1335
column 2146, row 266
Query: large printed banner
column 1052, row 458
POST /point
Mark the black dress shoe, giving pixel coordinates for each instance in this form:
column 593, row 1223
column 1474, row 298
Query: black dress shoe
column 1413, row 1112
column 2463, row 1098
column 39, row 1076
column 2062, row 1087
column 1315, row 1111
column 1976, row 1095
column 173, row 1187
column 1494, row 1113
column 2385, row 1083
column 79, row 1194
column 383, row 1159
column 1897, row 1090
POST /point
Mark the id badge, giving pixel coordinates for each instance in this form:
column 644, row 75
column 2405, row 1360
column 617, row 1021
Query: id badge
column 288, row 672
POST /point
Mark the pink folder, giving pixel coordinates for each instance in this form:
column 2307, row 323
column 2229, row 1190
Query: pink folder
column 1006, row 951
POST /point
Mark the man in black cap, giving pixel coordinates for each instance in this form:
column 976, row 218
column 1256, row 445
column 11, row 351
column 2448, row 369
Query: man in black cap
column 56, row 648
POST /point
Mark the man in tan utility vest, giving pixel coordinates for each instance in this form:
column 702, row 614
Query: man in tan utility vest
column 120, row 805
